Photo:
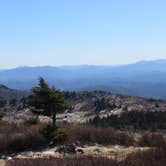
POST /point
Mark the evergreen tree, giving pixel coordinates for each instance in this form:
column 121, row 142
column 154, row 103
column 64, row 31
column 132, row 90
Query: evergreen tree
column 47, row 101
column 3, row 103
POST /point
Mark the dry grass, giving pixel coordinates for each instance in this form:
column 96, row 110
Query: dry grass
column 104, row 136
column 20, row 137
column 147, row 158
column 152, row 140
column 17, row 138
column 154, row 157
column 76, row 161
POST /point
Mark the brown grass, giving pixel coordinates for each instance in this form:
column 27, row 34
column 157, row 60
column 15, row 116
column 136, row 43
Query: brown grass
column 152, row 140
column 16, row 138
column 147, row 158
column 20, row 137
column 105, row 136
column 154, row 157
column 76, row 161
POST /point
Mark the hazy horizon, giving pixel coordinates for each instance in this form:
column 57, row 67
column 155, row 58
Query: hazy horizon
column 113, row 65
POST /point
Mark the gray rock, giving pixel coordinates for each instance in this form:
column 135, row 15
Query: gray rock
column 67, row 149
column 80, row 151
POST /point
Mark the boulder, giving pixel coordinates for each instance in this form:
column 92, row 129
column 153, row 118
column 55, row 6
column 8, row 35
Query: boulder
column 67, row 149
column 80, row 151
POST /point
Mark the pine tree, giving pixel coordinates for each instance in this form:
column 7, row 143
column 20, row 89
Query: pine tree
column 47, row 101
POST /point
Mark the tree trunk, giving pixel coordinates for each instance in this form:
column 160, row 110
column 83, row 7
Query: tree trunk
column 54, row 120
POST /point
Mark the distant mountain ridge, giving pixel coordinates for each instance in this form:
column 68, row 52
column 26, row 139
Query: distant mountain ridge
column 9, row 94
column 145, row 78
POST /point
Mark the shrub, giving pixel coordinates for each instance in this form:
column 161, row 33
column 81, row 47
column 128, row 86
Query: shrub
column 13, row 102
column 2, row 103
column 32, row 121
column 87, row 134
column 61, row 135
column 54, row 135
column 152, row 140
column 154, row 157
column 15, row 138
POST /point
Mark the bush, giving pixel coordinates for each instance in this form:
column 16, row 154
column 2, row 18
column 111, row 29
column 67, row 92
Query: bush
column 54, row 135
column 15, row 138
column 61, row 135
column 32, row 121
column 13, row 102
column 154, row 157
column 152, row 140
column 106, row 136
column 3, row 103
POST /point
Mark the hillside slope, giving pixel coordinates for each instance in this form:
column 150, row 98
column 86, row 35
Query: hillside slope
column 8, row 94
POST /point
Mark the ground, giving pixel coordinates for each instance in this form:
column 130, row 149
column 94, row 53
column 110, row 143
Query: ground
column 113, row 152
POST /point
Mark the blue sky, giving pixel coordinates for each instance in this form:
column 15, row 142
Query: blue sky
column 74, row 32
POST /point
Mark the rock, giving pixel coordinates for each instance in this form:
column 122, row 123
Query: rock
column 111, row 152
column 97, row 152
column 9, row 158
column 80, row 151
column 67, row 149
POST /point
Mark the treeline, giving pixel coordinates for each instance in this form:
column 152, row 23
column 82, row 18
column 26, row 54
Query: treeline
column 14, row 102
column 11, row 102
column 102, row 104
column 132, row 120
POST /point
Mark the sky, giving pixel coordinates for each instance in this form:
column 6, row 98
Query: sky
column 75, row 32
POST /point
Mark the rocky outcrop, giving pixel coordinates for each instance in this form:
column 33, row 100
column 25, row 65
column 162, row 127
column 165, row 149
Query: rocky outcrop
column 67, row 149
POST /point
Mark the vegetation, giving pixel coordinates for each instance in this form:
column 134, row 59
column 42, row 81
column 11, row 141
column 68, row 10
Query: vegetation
column 154, row 157
column 54, row 136
column 16, row 138
column 20, row 137
column 101, row 104
column 33, row 134
column 13, row 102
column 152, row 140
column 50, row 100
column 132, row 120
column 32, row 121
column 3, row 103
column 90, row 135
column 75, row 161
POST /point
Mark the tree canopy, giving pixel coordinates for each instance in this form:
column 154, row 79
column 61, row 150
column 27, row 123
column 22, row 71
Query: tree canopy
column 47, row 101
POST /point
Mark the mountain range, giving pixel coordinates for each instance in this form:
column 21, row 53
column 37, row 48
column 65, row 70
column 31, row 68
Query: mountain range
column 145, row 78
column 10, row 94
